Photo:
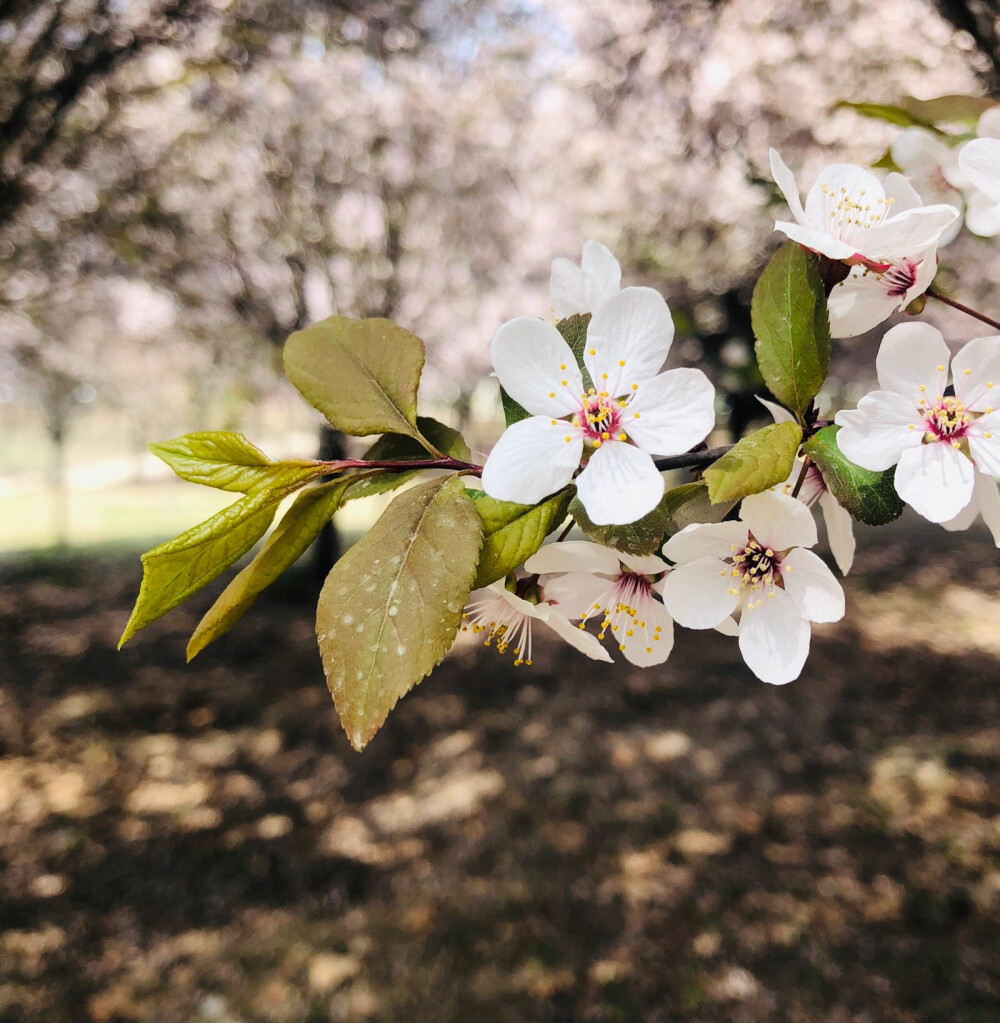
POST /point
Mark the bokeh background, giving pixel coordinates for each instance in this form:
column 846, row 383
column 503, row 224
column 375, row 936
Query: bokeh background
column 185, row 182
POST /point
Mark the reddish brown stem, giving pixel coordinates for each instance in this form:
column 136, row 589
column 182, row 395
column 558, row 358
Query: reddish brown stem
column 931, row 293
column 340, row 464
column 802, row 477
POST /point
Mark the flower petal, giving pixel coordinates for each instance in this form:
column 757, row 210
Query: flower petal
column 629, row 336
column 705, row 540
column 839, row 531
column 779, row 521
column 785, row 180
column 858, row 303
column 672, row 412
column 574, row 556
column 602, row 268
column 879, row 430
column 911, row 356
column 700, row 594
column 581, row 289
column 577, row 638
column 976, row 372
column 840, row 179
column 619, row 484
column 900, row 193
column 531, row 460
column 774, row 639
column 935, row 480
column 988, row 499
column 643, row 564
column 577, row 593
column 778, row 412
column 910, row 232
column 728, row 627
column 812, row 586
column 980, row 214
column 984, row 443
column 818, row 241
column 536, row 367
column 647, row 646
column 980, row 159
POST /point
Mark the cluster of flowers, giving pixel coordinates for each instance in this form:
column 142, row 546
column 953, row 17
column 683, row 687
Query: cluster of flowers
column 754, row 578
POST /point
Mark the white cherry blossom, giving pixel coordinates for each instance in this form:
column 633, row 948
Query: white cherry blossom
column 869, row 295
column 581, row 289
column 838, row 521
column 507, row 620
column 759, row 568
column 587, row 580
column 850, row 215
column 937, row 441
column 631, row 413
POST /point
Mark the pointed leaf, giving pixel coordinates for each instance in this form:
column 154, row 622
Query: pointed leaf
column 182, row 566
column 391, row 606
column 361, row 374
column 226, row 461
column 513, row 532
column 299, row 526
column 760, row 460
column 791, row 325
column 869, row 496
column 889, row 113
column 690, row 503
column 952, row 109
column 393, row 447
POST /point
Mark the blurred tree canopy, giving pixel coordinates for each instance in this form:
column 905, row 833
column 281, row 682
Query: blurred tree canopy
column 184, row 182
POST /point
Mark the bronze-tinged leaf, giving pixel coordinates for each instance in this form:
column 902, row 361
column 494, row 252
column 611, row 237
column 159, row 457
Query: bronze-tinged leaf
column 361, row 374
column 390, row 608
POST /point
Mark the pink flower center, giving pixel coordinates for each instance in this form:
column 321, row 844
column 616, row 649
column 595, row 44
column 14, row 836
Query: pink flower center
column 899, row 278
column 600, row 417
column 754, row 566
column 946, row 420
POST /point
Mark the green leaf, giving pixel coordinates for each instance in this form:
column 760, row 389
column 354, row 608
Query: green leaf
column 951, row 109
column 791, row 325
column 182, row 566
column 574, row 331
column 392, row 447
column 690, row 503
column 869, row 496
column 644, row 536
column 760, row 460
column 226, row 461
column 891, row 113
column 391, row 606
column 512, row 412
column 299, row 526
column 513, row 532
column 361, row 374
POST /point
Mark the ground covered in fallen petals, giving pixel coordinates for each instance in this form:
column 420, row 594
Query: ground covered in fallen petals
column 189, row 844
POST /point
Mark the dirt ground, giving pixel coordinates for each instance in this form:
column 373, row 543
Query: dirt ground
column 562, row 843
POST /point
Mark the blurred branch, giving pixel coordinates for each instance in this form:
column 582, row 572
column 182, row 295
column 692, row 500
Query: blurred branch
column 979, row 19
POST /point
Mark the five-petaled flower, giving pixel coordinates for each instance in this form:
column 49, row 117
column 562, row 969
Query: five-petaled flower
column 507, row 618
column 936, row 440
column 587, row 580
column 624, row 415
column 850, row 215
column 759, row 568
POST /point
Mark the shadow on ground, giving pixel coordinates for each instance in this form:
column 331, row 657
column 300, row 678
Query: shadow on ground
column 564, row 843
